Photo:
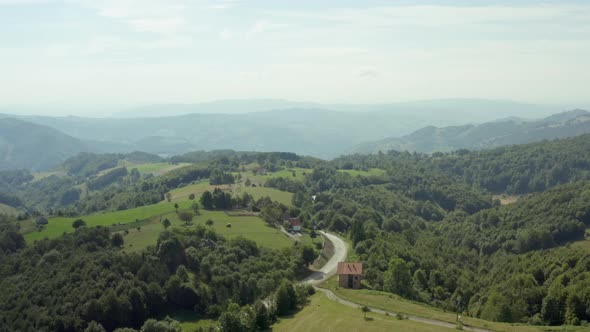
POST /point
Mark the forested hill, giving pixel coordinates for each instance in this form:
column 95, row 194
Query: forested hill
column 517, row 169
column 487, row 135
column 35, row 147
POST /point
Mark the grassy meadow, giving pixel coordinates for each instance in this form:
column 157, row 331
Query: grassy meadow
column 181, row 194
column 252, row 228
column 153, row 168
column 394, row 303
column 59, row 225
column 323, row 314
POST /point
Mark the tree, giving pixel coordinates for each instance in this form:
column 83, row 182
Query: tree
column 78, row 223
column 176, row 207
column 235, row 320
column 357, row 232
column 166, row 223
column 207, row 200
column 191, row 196
column 94, row 327
column 248, row 182
column 169, row 196
column 308, row 255
column 166, row 325
column 398, row 278
column 186, row 216
column 195, row 207
column 365, row 309
column 209, row 222
column 262, row 316
column 117, row 240
column 285, row 298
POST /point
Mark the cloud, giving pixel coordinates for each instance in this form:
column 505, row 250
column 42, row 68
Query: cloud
column 21, row 2
column 225, row 34
column 166, row 25
column 222, row 4
column 367, row 72
column 262, row 26
column 440, row 15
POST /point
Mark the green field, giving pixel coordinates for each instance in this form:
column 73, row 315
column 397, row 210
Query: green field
column 252, row 228
column 153, row 168
column 190, row 321
column 182, row 194
column 323, row 314
column 370, row 172
column 394, row 303
column 58, row 225
column 286, row 173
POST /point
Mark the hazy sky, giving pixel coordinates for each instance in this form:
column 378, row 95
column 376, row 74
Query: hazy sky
column 125, row 52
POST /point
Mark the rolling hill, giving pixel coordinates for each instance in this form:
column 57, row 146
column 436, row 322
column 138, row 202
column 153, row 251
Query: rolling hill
column 507, row 131
column 33, row 146
column 320, row 130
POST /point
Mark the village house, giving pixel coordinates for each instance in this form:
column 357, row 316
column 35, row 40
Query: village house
column 350, row 274
column 295, row 224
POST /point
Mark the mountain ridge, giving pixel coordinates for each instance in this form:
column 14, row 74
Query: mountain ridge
column 497, row 133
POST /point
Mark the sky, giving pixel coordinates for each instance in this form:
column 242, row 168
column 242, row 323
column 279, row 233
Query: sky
column 85, row 53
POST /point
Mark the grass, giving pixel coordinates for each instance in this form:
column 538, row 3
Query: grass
column 323, row 314
column 392, row 302
column 274, row 194
column 506, row 199
column 58, row 225
column 286, row 173
column 190, row 321
column 252, row 228
column 370, row 172
column 154, row 168
column 198, row 188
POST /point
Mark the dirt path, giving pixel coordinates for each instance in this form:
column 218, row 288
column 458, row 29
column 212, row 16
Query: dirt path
column 329, row 269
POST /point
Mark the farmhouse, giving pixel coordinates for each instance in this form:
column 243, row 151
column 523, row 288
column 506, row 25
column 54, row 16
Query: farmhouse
column 295, row 224
column 350, row 274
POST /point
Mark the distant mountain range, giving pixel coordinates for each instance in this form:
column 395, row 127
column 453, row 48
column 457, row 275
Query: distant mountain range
column 28, row 145
column 487, row 135
column 299, row 127
column 40, row 142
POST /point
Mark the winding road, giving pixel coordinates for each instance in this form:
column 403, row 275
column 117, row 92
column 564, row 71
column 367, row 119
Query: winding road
column 330, row 268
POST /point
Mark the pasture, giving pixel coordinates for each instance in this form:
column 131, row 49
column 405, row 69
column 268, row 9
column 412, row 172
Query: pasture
column 153, row 168
column 59, row 225
column 395, row 303
column 198, row 188
column 252, row 228
column 323, row 314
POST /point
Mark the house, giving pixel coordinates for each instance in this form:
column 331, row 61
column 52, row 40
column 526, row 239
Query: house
column 261, row 171
column 295, row 224
column 350, row 274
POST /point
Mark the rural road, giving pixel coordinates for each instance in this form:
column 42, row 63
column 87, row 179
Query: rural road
column 329, row 269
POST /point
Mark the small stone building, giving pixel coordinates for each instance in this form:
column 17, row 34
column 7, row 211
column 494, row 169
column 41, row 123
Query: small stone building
column 350, row 274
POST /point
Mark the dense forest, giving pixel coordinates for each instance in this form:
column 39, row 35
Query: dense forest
column 426, row 227
column 83, row 278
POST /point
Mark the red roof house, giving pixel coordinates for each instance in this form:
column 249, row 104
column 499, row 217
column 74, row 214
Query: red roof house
column 350, row 274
